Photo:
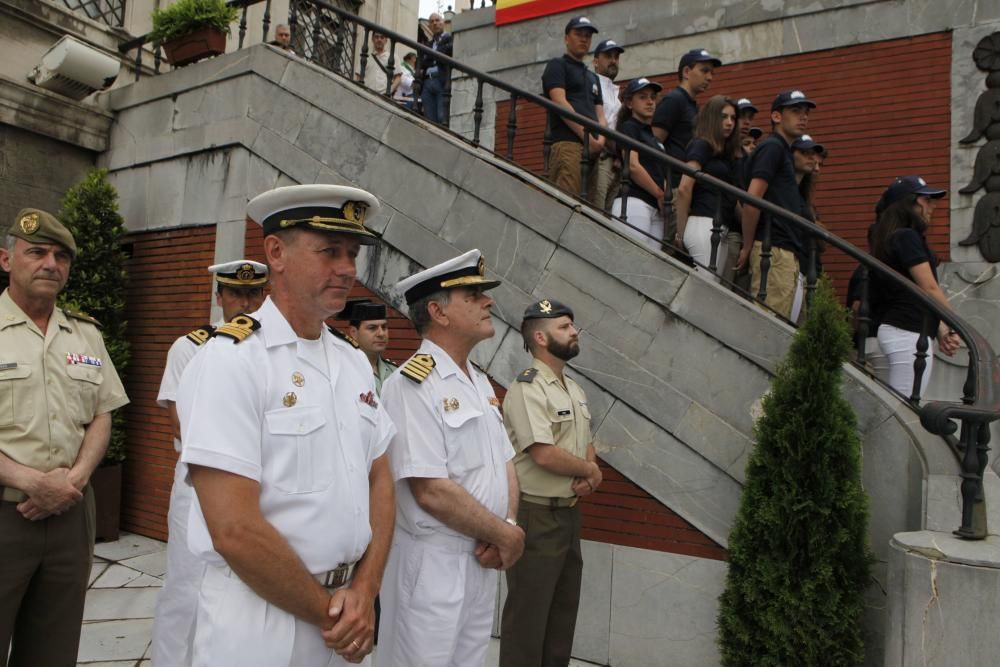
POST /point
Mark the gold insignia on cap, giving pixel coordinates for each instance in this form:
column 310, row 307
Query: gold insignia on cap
column 29, row 223
column 298, row 379
column 289, row 399
column 355, row 211
column 545, row 306
column 245, row 272
column 450, row 404
column 482, row 266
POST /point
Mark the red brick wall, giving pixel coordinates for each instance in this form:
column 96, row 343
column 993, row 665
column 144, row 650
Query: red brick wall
column 169, row 293
column 884, row 111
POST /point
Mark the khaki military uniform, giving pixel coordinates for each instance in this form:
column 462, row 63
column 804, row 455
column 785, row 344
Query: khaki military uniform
column 385, row 369
column 52, row 386
column 539, row 616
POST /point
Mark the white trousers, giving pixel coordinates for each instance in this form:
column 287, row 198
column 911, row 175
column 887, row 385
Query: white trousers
column 900, row 348
column 698, row 242
column 437, row 604
column 177, row 603
column 798, row 299
column 644, row 223
column 238, row 627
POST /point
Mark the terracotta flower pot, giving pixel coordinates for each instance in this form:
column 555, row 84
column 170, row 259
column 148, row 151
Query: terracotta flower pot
column 203, row 43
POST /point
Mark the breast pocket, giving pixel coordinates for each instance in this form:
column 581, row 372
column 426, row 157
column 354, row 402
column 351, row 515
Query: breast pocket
column 462, row 440
column 86, row 383
column 16, row 400
column 303, row 460
column 561, row 416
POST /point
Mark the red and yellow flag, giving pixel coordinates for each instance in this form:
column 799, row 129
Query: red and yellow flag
column 511, row 11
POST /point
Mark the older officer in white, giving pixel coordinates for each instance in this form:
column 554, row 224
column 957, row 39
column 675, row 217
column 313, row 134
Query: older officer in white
column 285, row 441
column 240, row 289
column 455, row 482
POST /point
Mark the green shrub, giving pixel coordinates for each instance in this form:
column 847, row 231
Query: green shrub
column 185, row 16
column 97, row 278
column 799, row 560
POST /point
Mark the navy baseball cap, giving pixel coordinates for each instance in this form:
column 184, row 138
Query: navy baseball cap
column 608, row 45
column 744, row 104
column 580, row 22
column 636, row 85
column 906, row 185
column 791, row 98
column 805, row 143
column 698, row 56
column 756, row 132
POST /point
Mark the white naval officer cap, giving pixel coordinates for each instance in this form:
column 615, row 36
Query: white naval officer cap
column 321, row 208
column 466, row 270
column 240, row 273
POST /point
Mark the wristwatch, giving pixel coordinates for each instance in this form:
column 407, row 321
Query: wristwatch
column 511, row 521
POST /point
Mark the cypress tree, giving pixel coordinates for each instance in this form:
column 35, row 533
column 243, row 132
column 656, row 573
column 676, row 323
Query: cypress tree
column 799, row 560
column 97, row 277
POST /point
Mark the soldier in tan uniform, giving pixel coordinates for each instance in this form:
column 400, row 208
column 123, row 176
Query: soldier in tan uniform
column 548, row 422
column 57, row 390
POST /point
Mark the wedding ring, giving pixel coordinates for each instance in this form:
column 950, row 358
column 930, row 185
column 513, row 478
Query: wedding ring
column 355, row 644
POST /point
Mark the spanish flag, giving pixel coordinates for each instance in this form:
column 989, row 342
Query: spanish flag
column 512, row 11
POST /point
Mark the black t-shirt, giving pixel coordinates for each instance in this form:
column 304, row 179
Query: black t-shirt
column 704, row 199
column 676, row 113
column 644, row 134
column 772, row 161
column 583, row 92
column 891, row 303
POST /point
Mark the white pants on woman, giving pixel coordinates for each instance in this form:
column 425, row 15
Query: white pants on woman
column 698, row 242
column 900, row 348
column 644, row 223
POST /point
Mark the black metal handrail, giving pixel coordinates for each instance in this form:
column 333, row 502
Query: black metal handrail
column 980, row 403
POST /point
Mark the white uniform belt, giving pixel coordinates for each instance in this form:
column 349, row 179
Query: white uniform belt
column 340, row 576
column 450, row 543
column 337, row 577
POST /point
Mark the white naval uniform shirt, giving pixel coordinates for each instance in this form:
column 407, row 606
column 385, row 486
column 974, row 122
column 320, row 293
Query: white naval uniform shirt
column 447, row 428
column 265, row 409
column 178, row 357
column 612, row 105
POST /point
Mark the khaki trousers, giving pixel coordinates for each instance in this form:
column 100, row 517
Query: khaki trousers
column 608, row 182
column 782, row 278
column 543, row 589
column 44, row 570
column 564, row 170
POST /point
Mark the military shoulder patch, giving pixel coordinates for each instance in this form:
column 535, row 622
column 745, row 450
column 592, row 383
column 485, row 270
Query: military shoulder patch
column 390, row 362
column 342, row 336
column 418, row 367
column 239, row 328
column 527, row 375
column 82, row 316
column 201, row 335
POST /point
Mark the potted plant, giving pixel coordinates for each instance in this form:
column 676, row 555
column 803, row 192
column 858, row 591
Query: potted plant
column 190, row 30
column 97, row 287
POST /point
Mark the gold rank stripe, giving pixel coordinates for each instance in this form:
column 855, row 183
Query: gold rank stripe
column 239, row 328
column 418, row 367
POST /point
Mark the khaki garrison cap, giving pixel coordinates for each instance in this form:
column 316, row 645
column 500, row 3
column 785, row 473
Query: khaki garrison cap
column 37, row 226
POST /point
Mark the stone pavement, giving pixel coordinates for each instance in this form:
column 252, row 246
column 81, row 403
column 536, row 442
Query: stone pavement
column 118, row 617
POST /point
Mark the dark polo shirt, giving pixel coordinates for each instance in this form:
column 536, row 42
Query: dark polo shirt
column 772, row 161
column 583, row 92
column 675, row 113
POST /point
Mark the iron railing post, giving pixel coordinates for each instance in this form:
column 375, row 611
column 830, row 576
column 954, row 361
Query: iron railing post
column 243, row 25
column 864, row 316
column 364, row 56
column 765, row 256
column 713, row 256
column 511, row 126
column 812, row 262
column 626, row 186
column 266, row 23
column 390, row 70
column 585, row 163
column 477, row 114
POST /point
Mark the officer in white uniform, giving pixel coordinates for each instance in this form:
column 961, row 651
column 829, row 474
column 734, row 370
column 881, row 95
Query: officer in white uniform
column 456, row 486
column 239, row 289
column 285, row 442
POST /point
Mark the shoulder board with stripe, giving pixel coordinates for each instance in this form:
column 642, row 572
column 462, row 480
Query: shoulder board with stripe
column 82, row 317
column 239, row 328
column 342, row 336
column 201, row 335
column 527, row 375
column 418, row 367
column 390, row 362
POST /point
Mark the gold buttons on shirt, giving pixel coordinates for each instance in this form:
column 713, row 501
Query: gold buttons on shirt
column 298, row 379
column 290, row 399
